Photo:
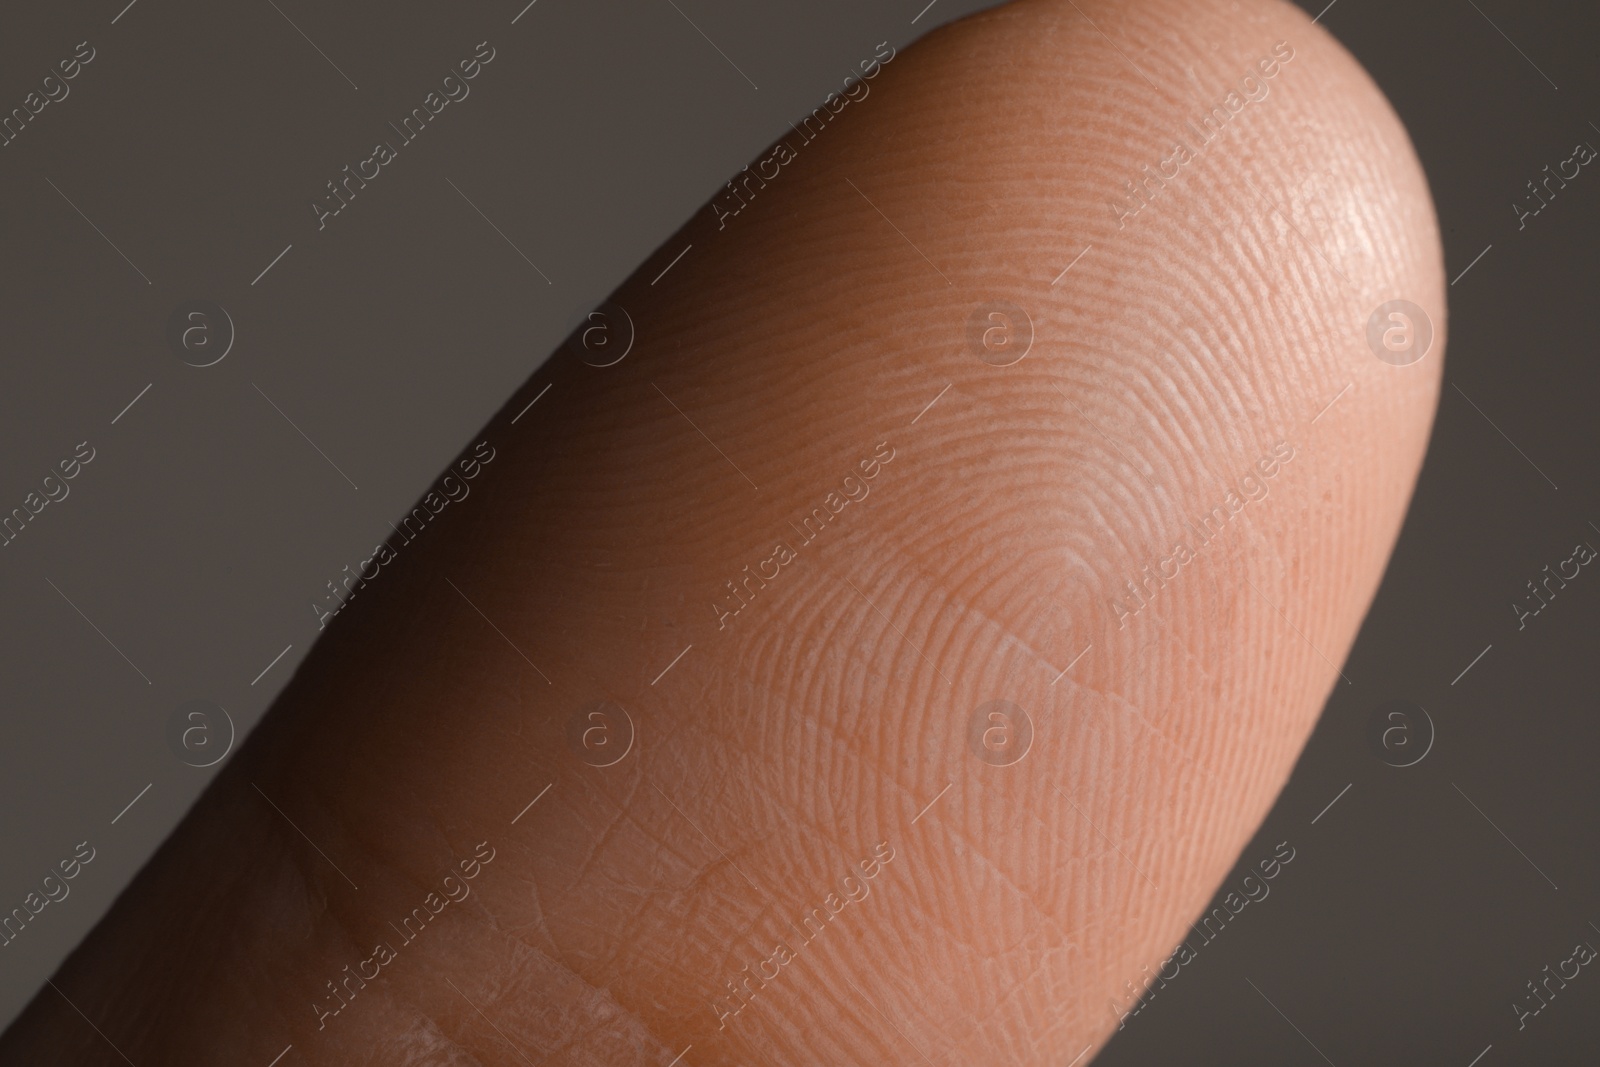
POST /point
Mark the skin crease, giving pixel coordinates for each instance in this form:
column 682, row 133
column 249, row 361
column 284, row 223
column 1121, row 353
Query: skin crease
column 822, row 721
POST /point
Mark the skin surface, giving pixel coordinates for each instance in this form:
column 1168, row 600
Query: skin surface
column 1194, row 344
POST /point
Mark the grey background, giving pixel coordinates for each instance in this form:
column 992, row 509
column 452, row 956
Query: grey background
column 195, row 543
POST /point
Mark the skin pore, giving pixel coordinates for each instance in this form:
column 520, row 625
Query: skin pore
column 804, row 535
